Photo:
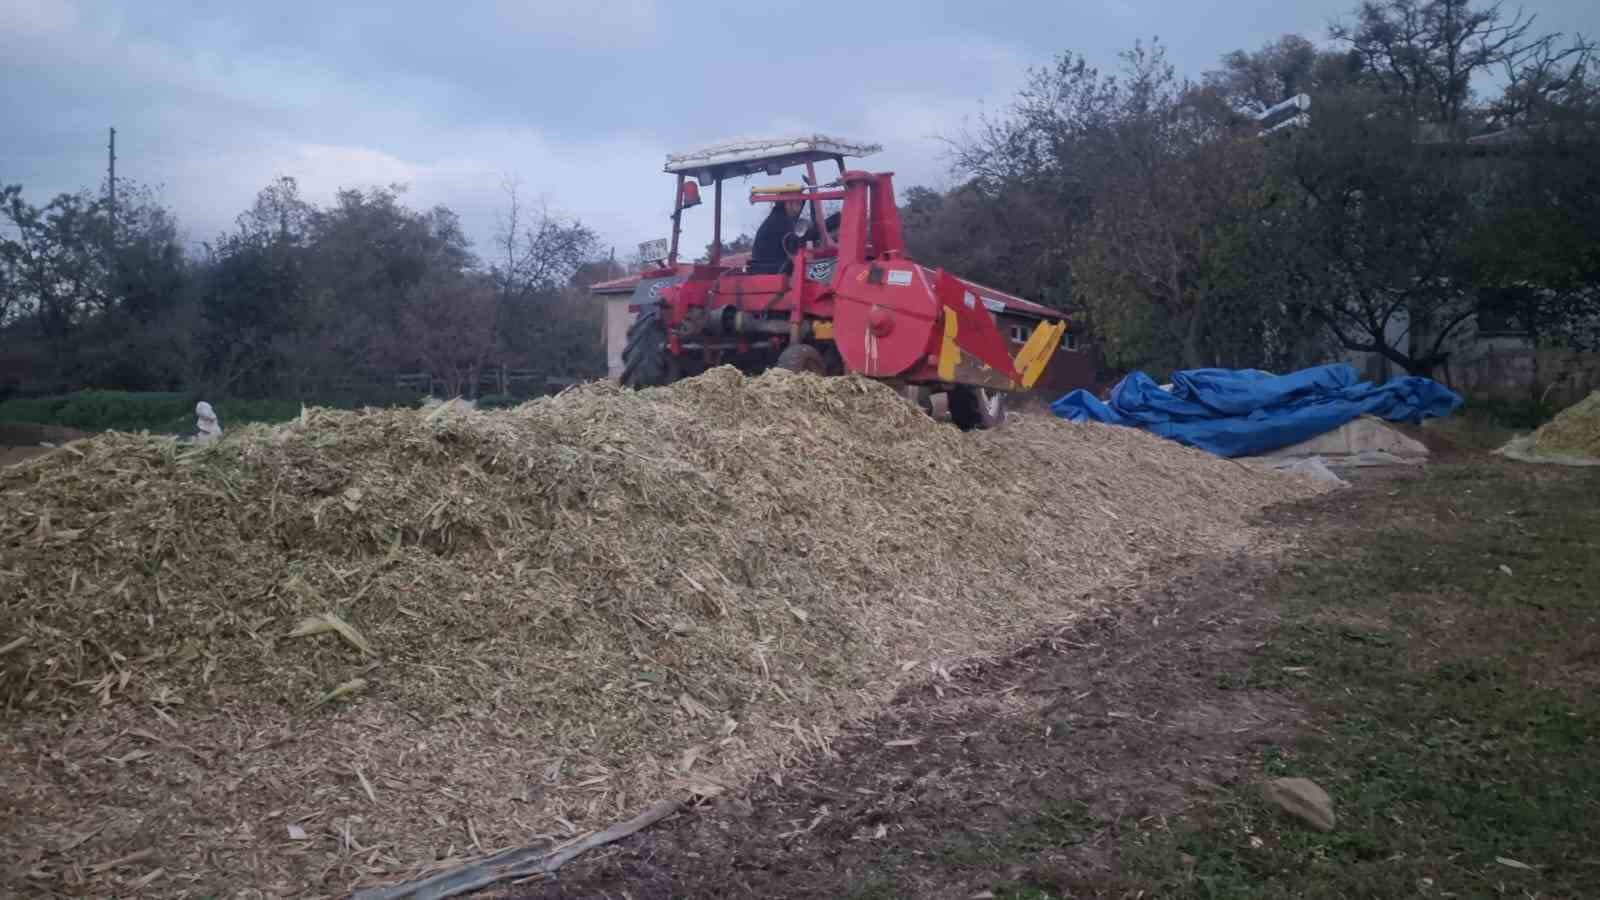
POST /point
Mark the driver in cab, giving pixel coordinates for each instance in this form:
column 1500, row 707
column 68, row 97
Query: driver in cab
column 767, row 252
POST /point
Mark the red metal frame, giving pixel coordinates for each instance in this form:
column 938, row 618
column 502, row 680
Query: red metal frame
column 677, row 220
column 716, row 226
column 891, row 318
column 817, row 218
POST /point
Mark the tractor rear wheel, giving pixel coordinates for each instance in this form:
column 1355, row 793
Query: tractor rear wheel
column 646, row 361
column 802, row 358
column 966, row 407
column 973, row 408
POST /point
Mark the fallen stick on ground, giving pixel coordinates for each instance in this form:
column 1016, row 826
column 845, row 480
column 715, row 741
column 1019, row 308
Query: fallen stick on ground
column 518, row 863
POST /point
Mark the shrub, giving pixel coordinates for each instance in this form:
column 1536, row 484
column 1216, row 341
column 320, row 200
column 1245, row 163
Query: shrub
column 172, row 412
column 498, row 401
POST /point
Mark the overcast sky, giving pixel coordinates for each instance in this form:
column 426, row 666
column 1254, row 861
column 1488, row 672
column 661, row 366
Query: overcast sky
column 578, row 99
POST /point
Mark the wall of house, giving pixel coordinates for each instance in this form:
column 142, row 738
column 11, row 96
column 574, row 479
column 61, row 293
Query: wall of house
column 1502, row 364
column 1498, row 372
column 1073, row 366
column 614, row 332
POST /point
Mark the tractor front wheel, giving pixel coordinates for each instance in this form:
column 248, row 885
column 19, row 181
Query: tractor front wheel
column 646, row 361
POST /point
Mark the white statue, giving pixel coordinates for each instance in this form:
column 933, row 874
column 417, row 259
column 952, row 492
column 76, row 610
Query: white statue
column 209, row 428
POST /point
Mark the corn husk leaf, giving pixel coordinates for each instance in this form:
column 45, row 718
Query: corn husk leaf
column 327, row 622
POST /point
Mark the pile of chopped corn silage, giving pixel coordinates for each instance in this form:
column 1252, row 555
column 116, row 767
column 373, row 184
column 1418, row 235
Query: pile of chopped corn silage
column 1575, row 431
column 351, row 647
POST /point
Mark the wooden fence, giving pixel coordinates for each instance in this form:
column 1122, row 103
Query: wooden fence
column 498, row 380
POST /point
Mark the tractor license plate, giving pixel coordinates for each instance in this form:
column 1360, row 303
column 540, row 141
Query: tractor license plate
column 650, row 251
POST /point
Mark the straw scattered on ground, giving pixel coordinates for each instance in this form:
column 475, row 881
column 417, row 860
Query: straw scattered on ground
column 357, row 646
column 1574, row 432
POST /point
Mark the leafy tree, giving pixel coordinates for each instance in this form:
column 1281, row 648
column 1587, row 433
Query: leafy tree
column 1370, row 232
column 740, row 244
column 1111, row 195
column 148, row 273
column 1253, row 81
column 278, row 213
column 596, row 271
column 255, row 293
column 1381, row 232
column 996, row 234
column 292, row 298
column 253, row 302
column 448, row 326
column 367, row 253
column 1145, row 262
column 87, row 296
column 1032, row 175
column 1535, row 255
column 56, row 262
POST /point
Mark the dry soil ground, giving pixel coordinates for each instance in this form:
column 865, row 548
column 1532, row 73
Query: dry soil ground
column 1428, row 653
column 19, row 441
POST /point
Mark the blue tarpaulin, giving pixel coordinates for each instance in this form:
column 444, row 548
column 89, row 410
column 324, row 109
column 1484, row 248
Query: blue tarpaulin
column 1242, row 412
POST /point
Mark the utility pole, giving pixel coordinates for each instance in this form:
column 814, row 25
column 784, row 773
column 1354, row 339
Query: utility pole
column 111, row 171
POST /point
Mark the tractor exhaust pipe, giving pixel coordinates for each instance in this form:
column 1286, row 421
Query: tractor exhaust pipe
column 744, row 323
column 739, row 322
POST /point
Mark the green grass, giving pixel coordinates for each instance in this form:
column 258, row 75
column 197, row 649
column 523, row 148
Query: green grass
column 876, row 889
column 1452, row 709
column 168, row 413
column 1488, row 424
column 1057, row 824
column 1522, row 415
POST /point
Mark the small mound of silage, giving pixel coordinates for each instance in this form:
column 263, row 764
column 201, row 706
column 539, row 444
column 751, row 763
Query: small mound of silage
column 1574, row 432
column 353, row 646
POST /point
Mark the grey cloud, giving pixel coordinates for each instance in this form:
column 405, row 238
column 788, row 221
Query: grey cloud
column 581, row 98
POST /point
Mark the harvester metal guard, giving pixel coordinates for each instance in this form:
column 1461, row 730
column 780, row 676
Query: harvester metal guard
column 855, row 296
column 974, row 352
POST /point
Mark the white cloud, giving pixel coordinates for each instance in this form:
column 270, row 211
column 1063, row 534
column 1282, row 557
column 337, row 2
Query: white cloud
column 615, row 185
column 322, row 169
column 217, row 187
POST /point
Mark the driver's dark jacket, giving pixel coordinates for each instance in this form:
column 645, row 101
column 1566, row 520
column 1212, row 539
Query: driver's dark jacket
column 768, row 244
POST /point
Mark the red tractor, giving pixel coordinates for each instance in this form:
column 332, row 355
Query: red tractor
column 842, row 298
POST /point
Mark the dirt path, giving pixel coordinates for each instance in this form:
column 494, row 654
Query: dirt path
column 1021, row 776
column 1424, row 652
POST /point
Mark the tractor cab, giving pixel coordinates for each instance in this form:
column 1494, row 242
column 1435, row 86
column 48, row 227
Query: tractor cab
column 822, row 293
column 711, row 166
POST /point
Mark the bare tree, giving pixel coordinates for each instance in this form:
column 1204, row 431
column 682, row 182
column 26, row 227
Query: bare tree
column 1424, row 53
column 537, row 250
column 1550, row 83
column 538, row 253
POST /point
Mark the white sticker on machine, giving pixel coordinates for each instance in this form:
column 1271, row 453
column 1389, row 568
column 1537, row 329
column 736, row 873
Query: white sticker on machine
column 993, row 305
column 900, row 277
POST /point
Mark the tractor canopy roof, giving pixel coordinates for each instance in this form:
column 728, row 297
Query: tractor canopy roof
column 732, row 159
